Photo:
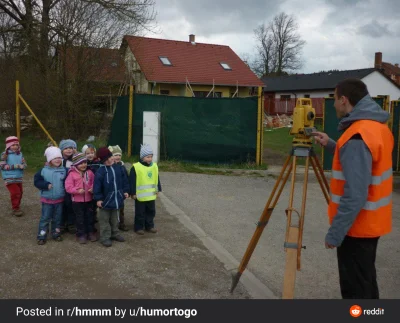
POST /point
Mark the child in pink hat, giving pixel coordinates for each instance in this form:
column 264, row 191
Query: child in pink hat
column 12, row 165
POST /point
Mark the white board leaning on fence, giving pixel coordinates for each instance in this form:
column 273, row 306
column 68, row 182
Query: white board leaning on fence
column 151, row 132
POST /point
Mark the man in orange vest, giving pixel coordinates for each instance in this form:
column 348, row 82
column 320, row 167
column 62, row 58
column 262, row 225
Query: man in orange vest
column 360, row 208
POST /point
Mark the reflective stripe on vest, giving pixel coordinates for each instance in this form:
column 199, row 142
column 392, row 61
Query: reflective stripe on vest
column 146, row 182
column 368, row 206
column 375, row 218
column 376, row 180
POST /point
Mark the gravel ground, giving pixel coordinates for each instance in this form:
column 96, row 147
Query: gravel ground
column 170, row 264
column 228, row 207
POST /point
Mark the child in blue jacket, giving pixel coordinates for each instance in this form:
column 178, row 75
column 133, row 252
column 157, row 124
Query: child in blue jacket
column 110, row 189
column 50, row 181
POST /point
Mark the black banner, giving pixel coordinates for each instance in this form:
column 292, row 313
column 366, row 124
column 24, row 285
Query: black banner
column 337, row 311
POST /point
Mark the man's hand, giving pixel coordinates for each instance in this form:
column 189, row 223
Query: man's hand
column 50, row 186
column 320, row 138
column 81, row 191
column 329, row 246
column 126, row 195
column 99, row 203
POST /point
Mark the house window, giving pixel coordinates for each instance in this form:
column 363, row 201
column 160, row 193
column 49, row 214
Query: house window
column 306, row 96
column 164, row 92
column 225, row 66
column 285, row 97
column 203, row 94
column 165, row 60
column 114, row 64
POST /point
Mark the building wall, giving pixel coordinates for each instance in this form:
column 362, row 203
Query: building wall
column 134, row 73
column 300, row 94
column 181, row 90
column 379, row 85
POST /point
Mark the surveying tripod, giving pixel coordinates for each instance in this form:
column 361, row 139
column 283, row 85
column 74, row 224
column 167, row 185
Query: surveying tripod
column 303, row 116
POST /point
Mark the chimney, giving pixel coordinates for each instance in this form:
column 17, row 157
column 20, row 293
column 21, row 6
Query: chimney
column 192, row 38
column 397, row 65
column 378, row 60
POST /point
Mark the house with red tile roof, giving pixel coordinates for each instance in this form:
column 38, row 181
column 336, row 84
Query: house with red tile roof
column 390, row 70
column 186, row 68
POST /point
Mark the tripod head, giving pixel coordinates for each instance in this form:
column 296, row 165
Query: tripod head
column 303, row 122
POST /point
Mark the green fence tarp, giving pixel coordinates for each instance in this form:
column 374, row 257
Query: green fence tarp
column 331, row 123
column 396, row 134
column 207, row 130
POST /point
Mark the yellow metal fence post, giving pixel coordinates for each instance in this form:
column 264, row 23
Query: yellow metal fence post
column 130, row 120
column 17, row 111
column 259, row 128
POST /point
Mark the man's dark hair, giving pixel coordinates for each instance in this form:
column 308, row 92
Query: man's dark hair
column 353, row 89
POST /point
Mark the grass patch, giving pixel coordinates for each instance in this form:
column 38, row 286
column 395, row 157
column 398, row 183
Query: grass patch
column 280, row 141
column 34, row 145
column 210, row 169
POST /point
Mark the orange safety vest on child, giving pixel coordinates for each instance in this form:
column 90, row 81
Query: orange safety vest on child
column 375, row 219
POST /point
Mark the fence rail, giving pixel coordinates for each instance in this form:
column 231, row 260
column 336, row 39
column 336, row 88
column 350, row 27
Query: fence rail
column 273, row 106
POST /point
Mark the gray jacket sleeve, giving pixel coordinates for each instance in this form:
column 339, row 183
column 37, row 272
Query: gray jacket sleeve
column 356, row 161
column 331, row 146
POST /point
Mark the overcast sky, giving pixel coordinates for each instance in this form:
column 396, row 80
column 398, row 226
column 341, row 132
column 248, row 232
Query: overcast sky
column 339, row 34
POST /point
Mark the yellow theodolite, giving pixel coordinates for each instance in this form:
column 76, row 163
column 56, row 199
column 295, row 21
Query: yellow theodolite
column 302, row 130
column 303, row 123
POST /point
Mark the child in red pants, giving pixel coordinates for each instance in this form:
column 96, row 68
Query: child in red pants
column 12, row 167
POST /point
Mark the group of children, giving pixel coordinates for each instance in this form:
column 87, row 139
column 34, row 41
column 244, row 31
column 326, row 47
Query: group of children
column 78, row 189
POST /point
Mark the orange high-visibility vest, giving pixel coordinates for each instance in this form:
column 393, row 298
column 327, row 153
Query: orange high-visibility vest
column 375, row 218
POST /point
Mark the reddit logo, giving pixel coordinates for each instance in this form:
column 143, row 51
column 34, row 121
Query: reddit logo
column 355, row 311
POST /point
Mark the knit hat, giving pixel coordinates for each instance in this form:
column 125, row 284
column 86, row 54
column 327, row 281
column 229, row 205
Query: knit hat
column 115, row 150
column 12, row 140
column 78, row 159
column 87, row 146
column 145, row 150
column 67, row 143
column 103, row 154
column 52, row 153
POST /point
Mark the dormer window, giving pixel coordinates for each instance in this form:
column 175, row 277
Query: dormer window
column 225, row 66
column 165, row 61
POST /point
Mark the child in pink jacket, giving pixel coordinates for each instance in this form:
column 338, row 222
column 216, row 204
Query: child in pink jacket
column 79, row 184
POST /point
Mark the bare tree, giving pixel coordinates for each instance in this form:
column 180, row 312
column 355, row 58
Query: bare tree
column 44, row 30
column 279, row 46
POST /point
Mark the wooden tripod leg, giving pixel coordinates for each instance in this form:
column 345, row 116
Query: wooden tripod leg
column 302, row 214
column 321, row 178
column 262, row 223
column 292, row 232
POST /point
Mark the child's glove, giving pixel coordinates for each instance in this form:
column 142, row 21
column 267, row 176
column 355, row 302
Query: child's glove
column 99, row 204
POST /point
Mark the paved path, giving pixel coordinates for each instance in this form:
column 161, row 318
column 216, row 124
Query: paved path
column 227, row 208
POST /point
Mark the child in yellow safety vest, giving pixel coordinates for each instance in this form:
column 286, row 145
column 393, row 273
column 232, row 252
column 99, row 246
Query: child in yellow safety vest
column 145, row 185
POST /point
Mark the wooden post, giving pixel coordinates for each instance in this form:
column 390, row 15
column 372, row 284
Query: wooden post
column 17, row 111
column 130, row 120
